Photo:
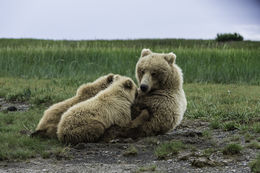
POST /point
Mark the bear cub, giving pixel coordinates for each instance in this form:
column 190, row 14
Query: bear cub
column 47, row 126
column 87, row 121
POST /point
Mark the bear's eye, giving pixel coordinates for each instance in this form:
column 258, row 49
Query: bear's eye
column 153, row 74
column 142, row 71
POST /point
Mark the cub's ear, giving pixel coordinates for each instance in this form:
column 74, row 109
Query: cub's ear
column 116, row 77
column 110, row 78
column 145, row 52
column 128, row 84
column 170, row 58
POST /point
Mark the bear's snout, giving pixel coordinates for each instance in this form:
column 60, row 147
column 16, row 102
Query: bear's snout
column 144, row 87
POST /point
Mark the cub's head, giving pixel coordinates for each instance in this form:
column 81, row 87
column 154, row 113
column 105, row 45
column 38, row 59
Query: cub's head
column 127, row 87
column 153, row 69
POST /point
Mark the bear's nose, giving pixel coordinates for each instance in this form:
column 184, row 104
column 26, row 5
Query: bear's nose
column 144, row 87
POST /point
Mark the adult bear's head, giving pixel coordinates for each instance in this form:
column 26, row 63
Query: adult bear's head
column 157, row 71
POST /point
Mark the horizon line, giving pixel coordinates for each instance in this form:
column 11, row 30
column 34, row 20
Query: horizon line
column 105, row 39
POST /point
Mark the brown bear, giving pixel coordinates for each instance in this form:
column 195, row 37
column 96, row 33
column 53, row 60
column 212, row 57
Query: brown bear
column 47, row 126
column 161, row 94
column 87, row 121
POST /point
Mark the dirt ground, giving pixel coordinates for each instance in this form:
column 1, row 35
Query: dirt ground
column 14, row 106
column 109, row 157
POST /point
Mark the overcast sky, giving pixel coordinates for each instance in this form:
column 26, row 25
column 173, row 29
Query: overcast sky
column 128, row 19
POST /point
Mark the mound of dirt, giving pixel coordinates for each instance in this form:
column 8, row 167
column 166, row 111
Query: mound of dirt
column 13, row 106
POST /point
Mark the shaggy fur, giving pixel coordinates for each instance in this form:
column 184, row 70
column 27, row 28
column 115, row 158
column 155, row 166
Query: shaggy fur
column 161, row 93
column 87, row 121
column 47, row 126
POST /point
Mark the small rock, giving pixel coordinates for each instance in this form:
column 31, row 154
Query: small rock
column 12, row 108
column 226, row 161
column 202, row 162
column 184, row 157
column 114, row 141
column 247, row 158
column 170, row 160
column 193, row 134
column 80, row 146
column 128, row 140
column 244, row 163
column 199, row 163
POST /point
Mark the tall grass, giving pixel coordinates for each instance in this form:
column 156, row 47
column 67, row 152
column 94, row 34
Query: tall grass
column 206, row 61
column 151, row 43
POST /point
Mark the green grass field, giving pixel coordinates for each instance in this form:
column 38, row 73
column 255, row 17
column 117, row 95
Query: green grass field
column 221, row 82
column 201, row 61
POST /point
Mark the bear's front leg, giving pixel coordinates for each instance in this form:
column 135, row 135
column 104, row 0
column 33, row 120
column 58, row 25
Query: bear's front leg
column 128, row 131
column 139, row 120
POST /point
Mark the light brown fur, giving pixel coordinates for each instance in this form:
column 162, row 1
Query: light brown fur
column 87, row 121
column 47, row 126
column 164, row 97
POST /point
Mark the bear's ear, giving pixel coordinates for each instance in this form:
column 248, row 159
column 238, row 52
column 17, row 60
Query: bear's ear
column 170, row 58
column 110, row 78
column 145, row 52
column 128, row 84
column 116, row 77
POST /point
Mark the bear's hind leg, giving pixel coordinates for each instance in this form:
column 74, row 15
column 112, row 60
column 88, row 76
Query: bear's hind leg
column 88, row 132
